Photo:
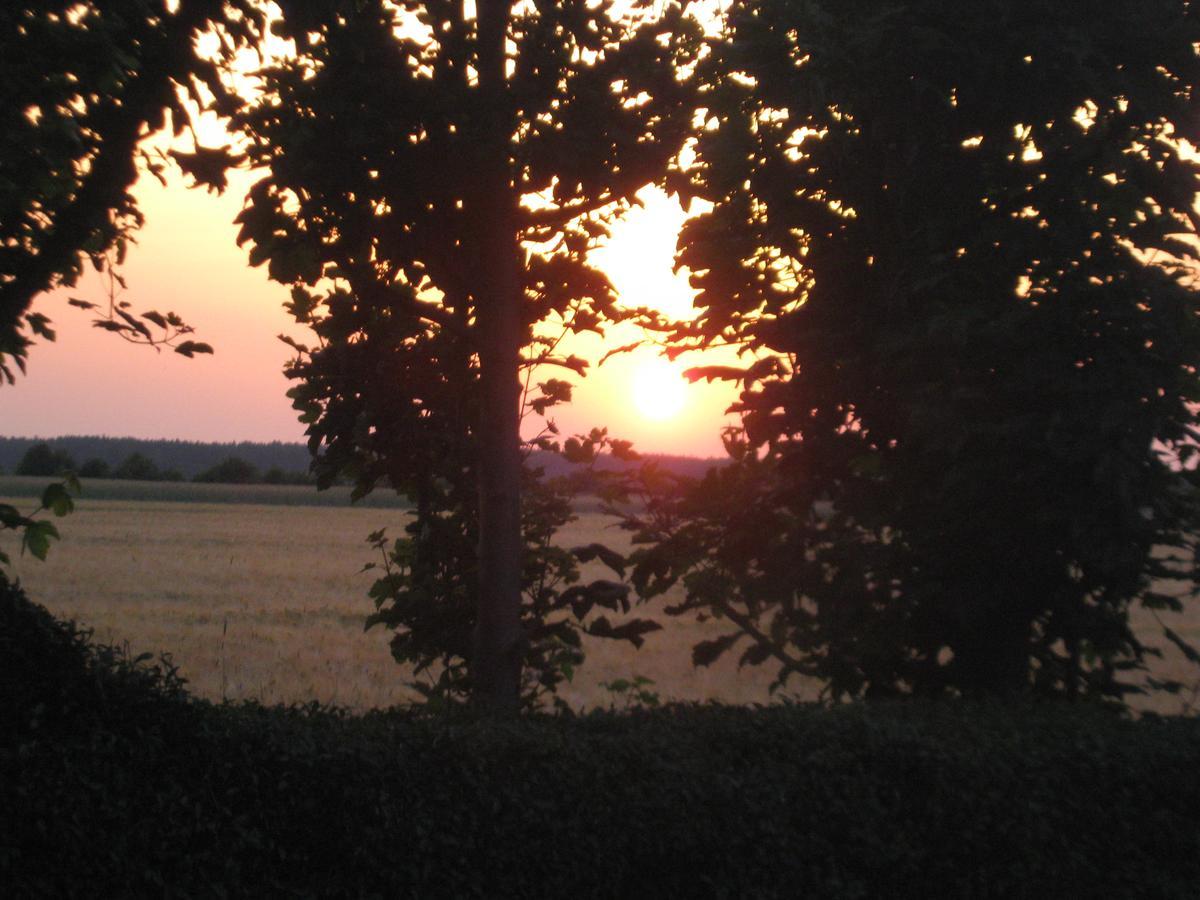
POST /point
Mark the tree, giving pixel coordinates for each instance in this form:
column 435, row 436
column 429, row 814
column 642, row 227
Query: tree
column 43, row 460
column 957, row 240
column 81, row 85
column 95, row 468
column 232, row 470
column 137, row 467
column 435, row 179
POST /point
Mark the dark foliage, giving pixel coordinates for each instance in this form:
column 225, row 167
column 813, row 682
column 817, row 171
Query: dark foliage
column 44, row 460
column 232, row 470
column 80, row 85
column 189, row 457
column 395, row 203
column 137, row 467
column 95, row 468
column 958, row 239
column 427, row 592
column 111, row 784
column 193, row 457
column 56, row 682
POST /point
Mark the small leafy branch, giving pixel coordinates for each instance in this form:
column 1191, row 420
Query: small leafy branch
column 633, row 692
column 36, row 533
column 426, row 593
column 150, row 328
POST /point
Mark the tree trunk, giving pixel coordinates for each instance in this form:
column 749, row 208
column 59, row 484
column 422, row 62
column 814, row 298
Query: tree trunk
column 498, row 638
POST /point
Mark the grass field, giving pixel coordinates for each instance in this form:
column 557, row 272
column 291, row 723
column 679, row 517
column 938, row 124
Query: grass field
column 267, row 600
column 258, row 594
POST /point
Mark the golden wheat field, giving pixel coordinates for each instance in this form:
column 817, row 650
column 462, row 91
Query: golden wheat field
column 268, row 601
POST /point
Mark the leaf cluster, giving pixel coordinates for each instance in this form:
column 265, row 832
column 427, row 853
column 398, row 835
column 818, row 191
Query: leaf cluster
column 80, row 86
column 381, row 207
column 427, row 593
column 958, row 240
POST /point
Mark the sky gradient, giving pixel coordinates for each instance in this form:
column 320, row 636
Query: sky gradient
column 186, row 260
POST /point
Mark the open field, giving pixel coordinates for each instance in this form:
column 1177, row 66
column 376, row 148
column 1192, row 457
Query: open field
column 25, row 488
column 268, row 601
column 265, row 599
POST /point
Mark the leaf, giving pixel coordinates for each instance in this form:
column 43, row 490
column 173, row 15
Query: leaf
column 156, row 318
column 755, row 655
column 609, row 557
column 624, row 348
column 135, row 324
column 56, row 499
column 40, row 325
column 1191, row 653
column 713, row 373
column 294, row 344
column 580, row 453
column 190, row 348
column 37, row 538
column 583, row 598
column 623, row 450
column 629, row 631
column 207, row 165
column 11, row 517
column 82, row 304
column 706, row 653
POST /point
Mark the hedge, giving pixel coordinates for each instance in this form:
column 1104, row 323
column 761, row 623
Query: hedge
column 113, row 782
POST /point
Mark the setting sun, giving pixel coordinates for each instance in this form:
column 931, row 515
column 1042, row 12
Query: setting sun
column 659, row 390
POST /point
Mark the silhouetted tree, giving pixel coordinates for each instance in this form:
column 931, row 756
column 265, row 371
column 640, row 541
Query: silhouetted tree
column 233, row 470
column 43, row 460
column 137, row 467
column 434, row 183
column 95, row 468
column 81, row 84
column 958, row 240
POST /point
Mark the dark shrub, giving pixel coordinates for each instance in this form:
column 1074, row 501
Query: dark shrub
column 233, row 470
column 137, row 467
column 55, row 680
column 45, row 461
column 95, row 468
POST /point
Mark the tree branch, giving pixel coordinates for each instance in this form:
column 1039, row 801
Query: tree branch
column 748, row 627
column 561, row 215
column 112, row 171
column 370, row 289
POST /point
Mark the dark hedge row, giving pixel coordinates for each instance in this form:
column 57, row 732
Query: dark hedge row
column 114, row 783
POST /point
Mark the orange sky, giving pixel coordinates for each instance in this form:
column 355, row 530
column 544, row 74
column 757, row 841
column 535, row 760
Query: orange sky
column 186, row 260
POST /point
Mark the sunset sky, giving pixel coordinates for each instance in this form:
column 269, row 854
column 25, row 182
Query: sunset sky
column 186, row 260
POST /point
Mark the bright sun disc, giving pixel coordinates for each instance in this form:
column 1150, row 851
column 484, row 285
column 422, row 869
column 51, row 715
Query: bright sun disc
column 659, row 390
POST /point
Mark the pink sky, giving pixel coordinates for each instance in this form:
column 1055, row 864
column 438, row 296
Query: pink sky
column 186, row 260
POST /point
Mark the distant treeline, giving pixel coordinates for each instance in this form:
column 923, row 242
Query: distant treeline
column 135, row 459
column 188, row 458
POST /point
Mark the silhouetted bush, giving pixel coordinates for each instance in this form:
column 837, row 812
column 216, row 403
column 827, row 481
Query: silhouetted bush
column 55, row 680
column 95, row 468
column 137, row 467
column 44, row 460
column 276, row 475
column 233, row 470
column 112, row 783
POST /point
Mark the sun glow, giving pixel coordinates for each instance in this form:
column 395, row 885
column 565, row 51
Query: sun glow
column 659, row 390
